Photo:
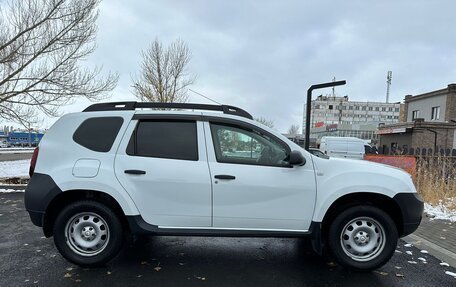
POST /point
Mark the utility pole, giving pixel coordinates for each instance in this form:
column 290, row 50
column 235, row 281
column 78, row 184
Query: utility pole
column 309, row 102
column 389, row 77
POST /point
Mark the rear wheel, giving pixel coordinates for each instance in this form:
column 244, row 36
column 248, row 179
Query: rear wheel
column 88, row 233
column 363, row 238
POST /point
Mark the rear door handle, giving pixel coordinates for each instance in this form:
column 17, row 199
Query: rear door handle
column 224, row 176
column 135, row 171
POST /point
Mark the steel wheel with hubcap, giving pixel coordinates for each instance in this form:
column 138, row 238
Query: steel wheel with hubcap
column 88, row 233
column 362, row 237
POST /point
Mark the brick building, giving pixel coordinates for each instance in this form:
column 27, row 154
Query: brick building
column 430, row 122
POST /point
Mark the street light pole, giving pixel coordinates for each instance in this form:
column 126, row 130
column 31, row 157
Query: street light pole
column 309, row 101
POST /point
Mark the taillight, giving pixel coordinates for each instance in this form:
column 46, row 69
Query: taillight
column 33, row 161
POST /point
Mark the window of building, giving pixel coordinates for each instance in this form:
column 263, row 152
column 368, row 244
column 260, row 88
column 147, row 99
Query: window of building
column 363, row 108
column 377, row 109
column 371, row 108
column 383, row 109
column 435, row 113
column 350, row 107
column 330, row 107
column 415, row 114
column 396, row 109
column 357, row 108
column 165, row 139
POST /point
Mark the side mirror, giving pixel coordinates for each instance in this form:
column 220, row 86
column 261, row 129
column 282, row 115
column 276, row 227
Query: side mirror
column 296, row 158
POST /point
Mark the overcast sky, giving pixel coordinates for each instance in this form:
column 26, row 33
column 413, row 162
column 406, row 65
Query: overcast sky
column 263, row 55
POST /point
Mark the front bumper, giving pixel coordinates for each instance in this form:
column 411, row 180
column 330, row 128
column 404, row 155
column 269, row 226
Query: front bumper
column 412, row 207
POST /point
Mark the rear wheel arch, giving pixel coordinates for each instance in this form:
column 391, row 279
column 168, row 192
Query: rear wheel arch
column 383, row 202
column 67, row 197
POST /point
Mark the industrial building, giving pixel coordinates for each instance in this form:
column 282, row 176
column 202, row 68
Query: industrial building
column 21, row 138
column 338, row 116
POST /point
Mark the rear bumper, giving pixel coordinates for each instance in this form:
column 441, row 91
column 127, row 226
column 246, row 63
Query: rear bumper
column 37, row 218
column 40, row 191
column 412, row 207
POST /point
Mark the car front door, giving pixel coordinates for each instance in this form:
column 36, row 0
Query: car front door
column 162, row 164
column 254, row 187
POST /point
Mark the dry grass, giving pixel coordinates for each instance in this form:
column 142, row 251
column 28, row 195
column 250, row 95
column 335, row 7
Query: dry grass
column 435, row 180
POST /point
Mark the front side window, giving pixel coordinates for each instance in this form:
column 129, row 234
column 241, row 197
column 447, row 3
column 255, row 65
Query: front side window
column 165, row 139
column 239, row 145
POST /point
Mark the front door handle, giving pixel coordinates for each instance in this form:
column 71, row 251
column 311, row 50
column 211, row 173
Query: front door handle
column 134, row 171
column 224, row 176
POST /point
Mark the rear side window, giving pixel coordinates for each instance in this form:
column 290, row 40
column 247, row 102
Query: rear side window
column 165, row 139
column 98, row 134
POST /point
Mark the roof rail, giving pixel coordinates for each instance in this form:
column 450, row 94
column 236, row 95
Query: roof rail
column 130, row 106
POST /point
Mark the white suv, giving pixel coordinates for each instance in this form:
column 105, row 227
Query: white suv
column 207, row 170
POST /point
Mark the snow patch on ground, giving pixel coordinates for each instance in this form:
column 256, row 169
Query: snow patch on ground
column 25, row 150
column 440, row 211
column 11, row 190
column 15, row 168
column 450, row 273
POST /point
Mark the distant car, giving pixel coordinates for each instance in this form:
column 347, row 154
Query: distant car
column 317, row 152
column 142, row 168
column 343, row 147
column 3, row 144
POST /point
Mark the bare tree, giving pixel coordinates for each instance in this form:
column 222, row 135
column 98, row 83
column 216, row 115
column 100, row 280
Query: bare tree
column 293, row 130
column 164, row 77
column 265, row 122
column 42, row 43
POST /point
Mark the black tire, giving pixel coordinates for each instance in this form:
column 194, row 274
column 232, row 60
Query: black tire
column 357, row 219
column 98, row 213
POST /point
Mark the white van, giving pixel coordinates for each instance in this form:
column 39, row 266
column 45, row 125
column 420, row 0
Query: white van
column 344, row 147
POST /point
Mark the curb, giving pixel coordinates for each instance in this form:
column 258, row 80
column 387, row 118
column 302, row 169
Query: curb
column 440, row 253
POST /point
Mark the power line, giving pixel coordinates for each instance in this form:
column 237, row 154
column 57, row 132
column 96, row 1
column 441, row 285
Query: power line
column 199, row 94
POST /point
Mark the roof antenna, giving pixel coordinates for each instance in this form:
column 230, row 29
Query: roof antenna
column 199, row 94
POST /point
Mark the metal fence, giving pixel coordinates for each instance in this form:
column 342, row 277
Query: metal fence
column 417, row 151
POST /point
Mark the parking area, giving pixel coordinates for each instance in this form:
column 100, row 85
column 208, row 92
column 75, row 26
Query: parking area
column 29, row 259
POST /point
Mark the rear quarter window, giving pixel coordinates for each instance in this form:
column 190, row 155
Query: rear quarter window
column 98, row 134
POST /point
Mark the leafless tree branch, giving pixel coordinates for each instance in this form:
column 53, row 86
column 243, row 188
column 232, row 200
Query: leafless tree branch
column 42, row 43
column 164, row 77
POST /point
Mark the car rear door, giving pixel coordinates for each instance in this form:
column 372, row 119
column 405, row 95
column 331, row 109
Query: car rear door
column 162, row 164
column 254, row 187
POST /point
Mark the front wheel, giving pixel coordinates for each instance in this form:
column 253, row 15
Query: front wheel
column 363, row 238
column 88, row 233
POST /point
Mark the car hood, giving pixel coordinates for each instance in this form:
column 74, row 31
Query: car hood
column 362, row 174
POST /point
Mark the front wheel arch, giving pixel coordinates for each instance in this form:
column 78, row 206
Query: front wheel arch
column 385, row 203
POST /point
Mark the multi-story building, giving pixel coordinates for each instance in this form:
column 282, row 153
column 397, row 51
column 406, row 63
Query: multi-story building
column 337, row 116
column 430, row 122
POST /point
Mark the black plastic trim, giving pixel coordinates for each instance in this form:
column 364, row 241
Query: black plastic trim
column 39, row 192
column 122, row 106
column 140, row 227
column 168, row 117
column 412, row 207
